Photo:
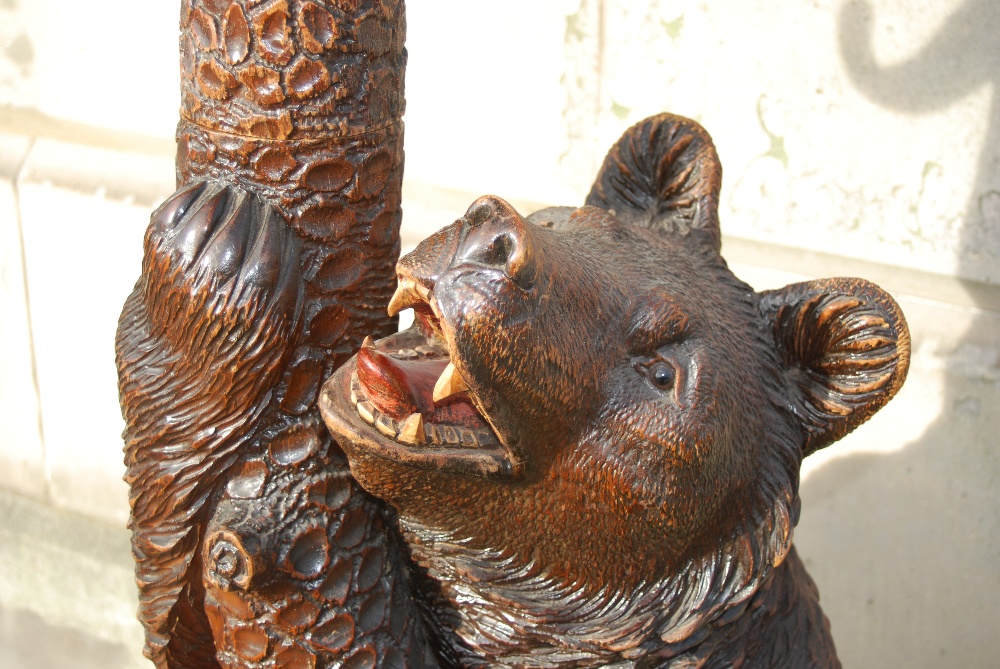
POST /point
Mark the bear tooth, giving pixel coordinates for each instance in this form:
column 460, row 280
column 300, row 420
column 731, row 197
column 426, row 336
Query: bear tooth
column 386, row 426
column 449, row 383
column 412, row 431
column 367, row 411
column 408, row 293
column 368, row 342
column 435, row 309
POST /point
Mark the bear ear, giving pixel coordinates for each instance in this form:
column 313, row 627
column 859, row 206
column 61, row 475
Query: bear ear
column 664, row 174
column 846, row 349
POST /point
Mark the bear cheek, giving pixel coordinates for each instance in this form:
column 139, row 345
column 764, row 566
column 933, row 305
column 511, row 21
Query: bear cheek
column 667, row 462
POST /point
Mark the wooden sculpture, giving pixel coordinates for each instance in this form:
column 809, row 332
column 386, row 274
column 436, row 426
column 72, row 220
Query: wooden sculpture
column 261, row 274
column 584, row 453
column 592, row 433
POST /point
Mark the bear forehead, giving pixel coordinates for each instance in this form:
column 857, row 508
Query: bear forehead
column 663, row 285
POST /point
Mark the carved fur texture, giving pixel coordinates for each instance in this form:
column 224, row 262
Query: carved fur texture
column 593, row 432
column 254, row 546
column 202, row 340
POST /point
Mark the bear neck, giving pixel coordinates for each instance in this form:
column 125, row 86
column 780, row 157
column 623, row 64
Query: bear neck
column 494, row 604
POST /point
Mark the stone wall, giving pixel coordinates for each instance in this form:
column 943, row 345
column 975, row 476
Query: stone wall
column 856, row 139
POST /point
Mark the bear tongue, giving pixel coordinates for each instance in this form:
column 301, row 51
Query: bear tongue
column 399, row 388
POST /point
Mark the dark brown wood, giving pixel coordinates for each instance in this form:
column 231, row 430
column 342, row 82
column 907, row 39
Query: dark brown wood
column 592, row 434
column 254, row 546
column 584, row 453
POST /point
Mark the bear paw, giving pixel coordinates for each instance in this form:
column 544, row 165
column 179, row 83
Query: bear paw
column 201, row 345
column 214, row 317
column 215, row 252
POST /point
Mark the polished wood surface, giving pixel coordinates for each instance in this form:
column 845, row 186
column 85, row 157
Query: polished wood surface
column 593, row 431
column 585, row 452
column 264, row 271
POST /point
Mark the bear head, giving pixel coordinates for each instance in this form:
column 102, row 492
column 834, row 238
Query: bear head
column 593, row 427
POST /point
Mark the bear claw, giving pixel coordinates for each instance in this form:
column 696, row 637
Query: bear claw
column 225, row 244
column 221, row 231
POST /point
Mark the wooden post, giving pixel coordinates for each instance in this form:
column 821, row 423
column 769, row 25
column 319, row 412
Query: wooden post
column 261, row 275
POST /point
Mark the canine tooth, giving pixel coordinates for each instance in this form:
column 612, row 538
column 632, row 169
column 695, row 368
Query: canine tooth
column 367, row 411
column 408, row 293
column 412, row 431
column 368, row 342
column 386, row 426
column 449, row 383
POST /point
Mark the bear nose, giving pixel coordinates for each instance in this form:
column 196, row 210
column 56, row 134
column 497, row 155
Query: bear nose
column 497, row 236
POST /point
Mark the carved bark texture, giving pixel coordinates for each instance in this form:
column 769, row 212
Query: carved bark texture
column 622, row 497
column 261, row 274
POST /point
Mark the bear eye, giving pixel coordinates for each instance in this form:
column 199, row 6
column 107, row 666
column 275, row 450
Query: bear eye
column 661, row 374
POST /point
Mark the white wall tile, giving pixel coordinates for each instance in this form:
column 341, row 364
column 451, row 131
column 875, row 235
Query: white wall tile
column 84, row 211
column 111, row 65
column 76, row 574
column 22, row 465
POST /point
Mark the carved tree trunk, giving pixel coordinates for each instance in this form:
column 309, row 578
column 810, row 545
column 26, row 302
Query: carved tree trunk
column 261, row 274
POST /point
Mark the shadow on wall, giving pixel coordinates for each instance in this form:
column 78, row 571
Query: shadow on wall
column 911, row 540
column 17, row 49
column 964, row 55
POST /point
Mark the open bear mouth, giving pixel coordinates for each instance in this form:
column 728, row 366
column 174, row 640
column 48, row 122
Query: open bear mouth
column 403, row 399
column 411, row 392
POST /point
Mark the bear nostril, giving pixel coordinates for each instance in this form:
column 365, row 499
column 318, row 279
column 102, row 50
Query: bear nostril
column 497, row 236
column 501, row 249
column 511, row 251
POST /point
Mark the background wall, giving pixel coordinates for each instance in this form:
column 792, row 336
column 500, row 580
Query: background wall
column 857, row 139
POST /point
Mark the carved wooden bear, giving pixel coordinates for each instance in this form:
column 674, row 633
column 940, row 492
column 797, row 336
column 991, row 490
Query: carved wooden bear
column 592, row 434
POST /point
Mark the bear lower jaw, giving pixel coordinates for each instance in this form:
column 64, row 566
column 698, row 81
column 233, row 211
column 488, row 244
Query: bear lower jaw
column 466, row 448
column 416, row 432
